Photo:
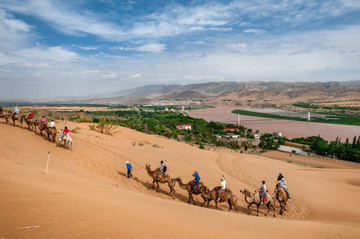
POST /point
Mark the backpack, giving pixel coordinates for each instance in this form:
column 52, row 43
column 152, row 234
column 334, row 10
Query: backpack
column 165, row 169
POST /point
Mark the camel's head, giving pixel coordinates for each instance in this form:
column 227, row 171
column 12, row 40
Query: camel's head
column 177, row 179
column 147, row 166
column 245, row 191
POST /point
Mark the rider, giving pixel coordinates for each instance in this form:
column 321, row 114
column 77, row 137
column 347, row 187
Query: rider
column 16, row 111
column 1, row 110
column 52, row 124
column 222, row 188
column 283, row 185
column 280, row 177
column 65, row 132
column 196, row 180
column 42, row 121
column 262, row 191
column 30, row 115
column 163, row 168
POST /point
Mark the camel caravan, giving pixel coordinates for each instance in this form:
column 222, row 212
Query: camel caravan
column 221, row 194
column 41, row 125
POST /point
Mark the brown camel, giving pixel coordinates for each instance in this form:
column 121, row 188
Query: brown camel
column 5, row 116
column 228, row 197
column 199, row 189
column 255, row 199
column 51, row 131
column 28, row 121
column 281, row 196
column 36, row 123
column 16, row 117
column 162, row 179
column 44, row 126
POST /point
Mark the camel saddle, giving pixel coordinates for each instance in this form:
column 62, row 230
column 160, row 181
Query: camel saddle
column 217, row 193
column 264, row 197
column 195, row 187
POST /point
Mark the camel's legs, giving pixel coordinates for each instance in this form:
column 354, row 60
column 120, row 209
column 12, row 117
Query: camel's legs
column 249, row 208
column 229, row 202
column 204, row 201
column 257, row 210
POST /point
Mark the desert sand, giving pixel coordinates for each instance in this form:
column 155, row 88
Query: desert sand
column 288, row 128
column 86, row 193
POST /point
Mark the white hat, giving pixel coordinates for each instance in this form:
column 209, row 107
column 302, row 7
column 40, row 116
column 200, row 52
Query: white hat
column 127, row 161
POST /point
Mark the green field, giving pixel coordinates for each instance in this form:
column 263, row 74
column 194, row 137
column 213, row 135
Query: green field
column 342, row 118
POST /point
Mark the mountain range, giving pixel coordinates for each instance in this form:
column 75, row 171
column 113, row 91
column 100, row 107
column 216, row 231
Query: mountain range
column 254, row 93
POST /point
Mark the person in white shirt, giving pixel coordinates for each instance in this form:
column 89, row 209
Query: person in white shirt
column 16, row 111
column 283, row 185
column 52, row 124
column 223, row 186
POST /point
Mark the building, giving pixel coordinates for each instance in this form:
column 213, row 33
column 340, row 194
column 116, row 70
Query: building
column 304, row 147
column 231, row 136
column 184, row 126
column 231, row 129
column 276, row 134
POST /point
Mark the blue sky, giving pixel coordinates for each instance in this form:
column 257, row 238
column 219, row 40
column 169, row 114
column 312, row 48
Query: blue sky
column 51, row 48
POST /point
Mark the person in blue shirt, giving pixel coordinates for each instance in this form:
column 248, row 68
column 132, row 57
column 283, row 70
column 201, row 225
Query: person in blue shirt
column 196, row 180
column 129, row 167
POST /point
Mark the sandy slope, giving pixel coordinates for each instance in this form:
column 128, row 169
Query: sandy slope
column 86, row 194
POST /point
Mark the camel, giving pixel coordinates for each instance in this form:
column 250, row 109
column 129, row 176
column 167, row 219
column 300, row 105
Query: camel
column 36, row 123
column 213, row 195
column 51, row 131
column 163, row 179
column 255, row 199
column 29, row 122
column 281, row 196
column 5, row 116
column 198, row 190
column 68, row 143
column 44, row 126
column 16, row 117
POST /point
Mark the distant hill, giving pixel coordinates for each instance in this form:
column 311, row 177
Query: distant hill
column 254, row 93
column 251, row 93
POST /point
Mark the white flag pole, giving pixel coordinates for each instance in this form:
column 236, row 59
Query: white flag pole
column 47, row 165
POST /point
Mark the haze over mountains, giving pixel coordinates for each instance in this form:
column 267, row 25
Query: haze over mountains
column 265, row 94
column 252, row 93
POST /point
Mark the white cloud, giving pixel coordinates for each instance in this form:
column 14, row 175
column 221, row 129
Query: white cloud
column 237, row 47
column 51, row 53
column 153, row 47
column 256, row 31
column 135, row 76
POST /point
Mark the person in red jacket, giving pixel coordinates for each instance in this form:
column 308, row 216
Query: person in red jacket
column 30, row 115
column 65, row 132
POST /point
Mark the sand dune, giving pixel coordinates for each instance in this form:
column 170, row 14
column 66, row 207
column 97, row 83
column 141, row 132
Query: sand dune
column 87, row 195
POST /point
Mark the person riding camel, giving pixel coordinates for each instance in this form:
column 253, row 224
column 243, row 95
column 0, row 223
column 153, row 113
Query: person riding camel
column 262, row 191
column 283, row 185
column 16, row 111
column 163, row 169
column 222, row 187
column 65, row 132
column 1, row 110
column 196, row 180
column 52, row 124
column 42, row 121
column 30, row 115
column 280, row 177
